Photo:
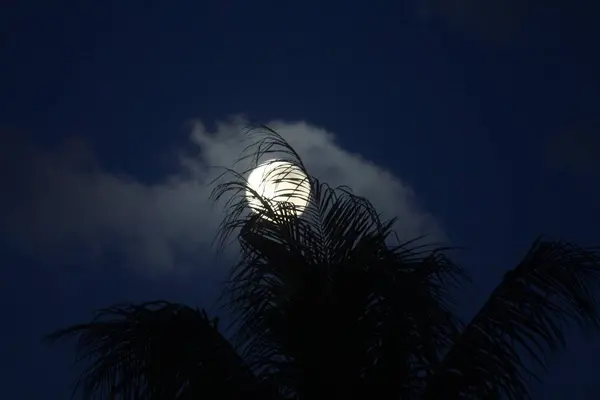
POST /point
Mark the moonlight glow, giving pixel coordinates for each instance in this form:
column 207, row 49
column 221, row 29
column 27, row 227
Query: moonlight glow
column 279, row 181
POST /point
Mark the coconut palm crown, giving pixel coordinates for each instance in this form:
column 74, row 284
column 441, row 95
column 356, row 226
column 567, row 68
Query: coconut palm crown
column 330, row 304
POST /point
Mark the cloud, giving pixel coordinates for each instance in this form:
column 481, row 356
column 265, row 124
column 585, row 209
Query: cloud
column 61, row 203
column 576, row 151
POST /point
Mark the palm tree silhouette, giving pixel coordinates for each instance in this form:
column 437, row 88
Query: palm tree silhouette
column 329, row 304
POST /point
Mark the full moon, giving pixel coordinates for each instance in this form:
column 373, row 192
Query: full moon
column 278, row 181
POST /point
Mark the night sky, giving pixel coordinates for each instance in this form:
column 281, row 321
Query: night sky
column 476, row 122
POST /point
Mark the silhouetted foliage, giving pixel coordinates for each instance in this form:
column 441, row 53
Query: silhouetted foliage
column 329, row 304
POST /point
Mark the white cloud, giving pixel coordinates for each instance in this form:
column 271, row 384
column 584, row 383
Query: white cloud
column 56, row 203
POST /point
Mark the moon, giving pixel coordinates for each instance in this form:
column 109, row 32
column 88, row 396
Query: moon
column 278, row 181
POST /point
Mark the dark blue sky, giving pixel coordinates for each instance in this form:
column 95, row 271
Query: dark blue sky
column 491, row 118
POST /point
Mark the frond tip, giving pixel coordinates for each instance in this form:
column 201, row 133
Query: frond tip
column 553, row 286
column 240, row 196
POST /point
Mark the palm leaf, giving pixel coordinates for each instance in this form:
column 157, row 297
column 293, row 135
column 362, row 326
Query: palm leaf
column 157, row 350
column 326, row 302
column 527, row 314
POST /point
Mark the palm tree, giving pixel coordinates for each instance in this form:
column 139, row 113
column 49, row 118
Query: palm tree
column 329, row 304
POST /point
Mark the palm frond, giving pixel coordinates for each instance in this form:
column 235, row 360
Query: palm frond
column 326, row 302
column 527, row 314
column 157, row 350
column 266, row 146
